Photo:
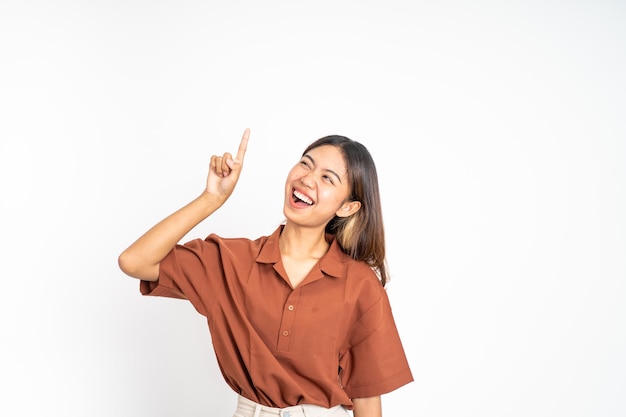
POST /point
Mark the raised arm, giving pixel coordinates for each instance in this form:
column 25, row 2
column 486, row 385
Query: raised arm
column 142, row 258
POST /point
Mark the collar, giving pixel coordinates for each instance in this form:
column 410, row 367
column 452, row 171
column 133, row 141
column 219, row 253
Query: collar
column 332, row 263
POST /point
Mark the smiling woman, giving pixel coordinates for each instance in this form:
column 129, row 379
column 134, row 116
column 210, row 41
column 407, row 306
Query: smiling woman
column 300, row 318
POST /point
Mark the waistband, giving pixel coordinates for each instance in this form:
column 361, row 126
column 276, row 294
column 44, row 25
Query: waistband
column 248, row 408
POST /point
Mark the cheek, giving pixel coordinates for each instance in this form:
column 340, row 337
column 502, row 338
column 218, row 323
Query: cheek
column 294, row 173
column 290, row 176
column 333, row 198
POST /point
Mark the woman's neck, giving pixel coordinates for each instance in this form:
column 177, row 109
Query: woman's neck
column 303, row 243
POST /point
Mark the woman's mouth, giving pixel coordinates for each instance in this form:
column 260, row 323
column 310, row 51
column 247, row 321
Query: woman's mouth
column 299, row 197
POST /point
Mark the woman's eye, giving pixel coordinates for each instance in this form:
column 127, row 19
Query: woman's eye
column 327, row 178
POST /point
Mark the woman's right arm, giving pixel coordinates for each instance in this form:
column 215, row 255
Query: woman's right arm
column 142, row 258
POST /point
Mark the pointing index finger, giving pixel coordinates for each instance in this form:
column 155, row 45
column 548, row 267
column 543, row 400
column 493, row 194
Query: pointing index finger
column 243, row 145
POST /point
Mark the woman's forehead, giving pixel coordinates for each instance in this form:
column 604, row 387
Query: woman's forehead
column 328, row 157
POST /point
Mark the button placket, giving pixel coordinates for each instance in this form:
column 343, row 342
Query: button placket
column 287, row 320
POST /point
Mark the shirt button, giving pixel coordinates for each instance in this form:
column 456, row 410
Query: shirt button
column 290, row 308
column 285, row 333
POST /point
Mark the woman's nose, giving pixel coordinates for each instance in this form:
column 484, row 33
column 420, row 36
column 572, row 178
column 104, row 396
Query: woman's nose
column 308, row 180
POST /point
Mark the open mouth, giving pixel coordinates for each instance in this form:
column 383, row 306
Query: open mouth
column 298, row 197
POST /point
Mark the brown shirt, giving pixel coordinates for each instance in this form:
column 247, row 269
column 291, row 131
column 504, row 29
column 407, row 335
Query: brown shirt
column 330, row 339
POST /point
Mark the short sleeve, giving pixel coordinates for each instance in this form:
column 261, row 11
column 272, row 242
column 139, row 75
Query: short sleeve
column 375, row 362
column 192, row 272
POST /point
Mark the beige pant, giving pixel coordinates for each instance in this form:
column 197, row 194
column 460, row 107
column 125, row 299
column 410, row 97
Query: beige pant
column 247, row 408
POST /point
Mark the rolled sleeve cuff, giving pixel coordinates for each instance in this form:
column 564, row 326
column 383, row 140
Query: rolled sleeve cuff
column 390, row 384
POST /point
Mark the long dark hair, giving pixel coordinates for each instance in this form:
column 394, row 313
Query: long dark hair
column 361, row 235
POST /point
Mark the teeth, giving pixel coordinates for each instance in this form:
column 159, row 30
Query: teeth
column 303, row 197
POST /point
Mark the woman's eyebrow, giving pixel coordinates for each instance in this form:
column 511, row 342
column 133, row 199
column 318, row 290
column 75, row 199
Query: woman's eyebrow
column 328, row 170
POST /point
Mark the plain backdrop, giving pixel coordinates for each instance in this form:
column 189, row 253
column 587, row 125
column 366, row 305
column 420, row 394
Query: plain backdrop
column 498, row 129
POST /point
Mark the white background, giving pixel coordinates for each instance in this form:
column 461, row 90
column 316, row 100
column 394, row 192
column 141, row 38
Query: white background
column 499, row 135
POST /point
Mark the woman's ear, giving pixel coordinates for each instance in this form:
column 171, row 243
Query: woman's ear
column 348, row 208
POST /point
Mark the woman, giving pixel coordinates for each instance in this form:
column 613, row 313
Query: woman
column 300, row 320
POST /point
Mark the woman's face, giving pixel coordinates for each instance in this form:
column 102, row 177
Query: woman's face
column 317, row 187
